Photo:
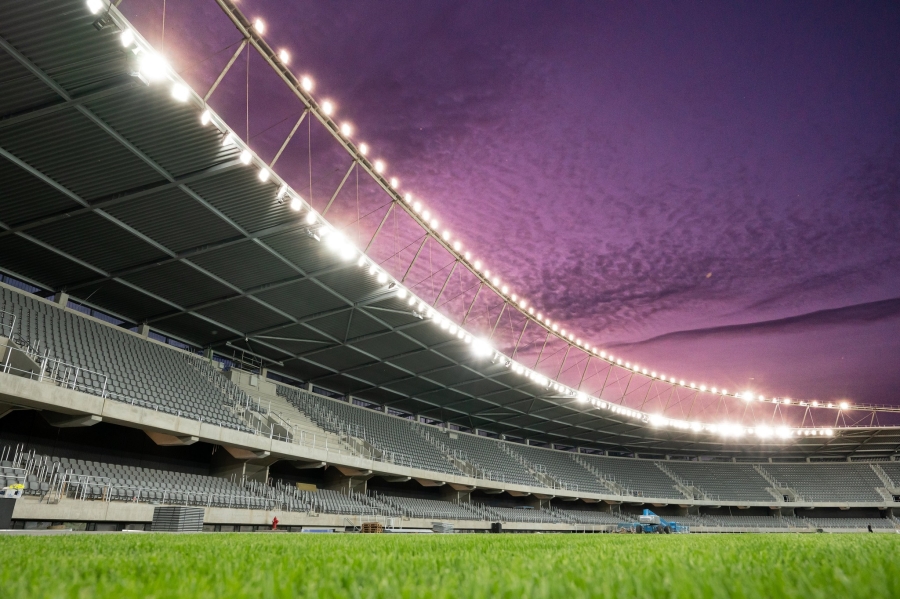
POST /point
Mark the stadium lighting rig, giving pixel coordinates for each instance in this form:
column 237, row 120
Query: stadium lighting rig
column 153, row 69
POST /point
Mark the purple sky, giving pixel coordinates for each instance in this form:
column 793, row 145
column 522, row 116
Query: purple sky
column 711, row 189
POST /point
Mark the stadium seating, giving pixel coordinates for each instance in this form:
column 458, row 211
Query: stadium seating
column 829, row 482
column 723, row 481
column 139, row 371
column 563, row 468
column 639, row 478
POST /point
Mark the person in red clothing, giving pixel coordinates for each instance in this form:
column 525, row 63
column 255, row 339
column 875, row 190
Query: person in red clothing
column 275, row 523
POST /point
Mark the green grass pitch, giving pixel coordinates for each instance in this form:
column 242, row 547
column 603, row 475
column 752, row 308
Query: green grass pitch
column 454, row 566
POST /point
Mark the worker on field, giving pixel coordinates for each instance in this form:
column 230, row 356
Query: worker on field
column 275, row 523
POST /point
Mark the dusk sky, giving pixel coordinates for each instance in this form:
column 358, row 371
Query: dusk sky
column 709, row 188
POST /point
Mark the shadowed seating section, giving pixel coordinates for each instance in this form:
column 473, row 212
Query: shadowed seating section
column 829, row 482
column 723, row 481
column 139, row 371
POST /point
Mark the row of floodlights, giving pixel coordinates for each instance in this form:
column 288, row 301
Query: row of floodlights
column 153, row 68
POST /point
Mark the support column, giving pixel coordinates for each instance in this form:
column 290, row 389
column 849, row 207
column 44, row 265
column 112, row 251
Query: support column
column 61, row 299
column 144, row 330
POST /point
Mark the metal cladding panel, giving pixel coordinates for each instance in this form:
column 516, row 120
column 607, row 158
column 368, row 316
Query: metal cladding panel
column 179, row 283
column 352, row 284
column 166, row 130
column 388, row 345
column 59, row 37
column 413, row 387
column 301, row 299
column 174, row 220
column 394, row 318
column 97, row 241
column 243, row 314
column 243, row 198
column 454, row 375
column 340, row 358
column 26, row 197
column 378, row 374
column 21, row 89
column 509, row 397
column 421, row 362
column 123, row 300
column 78, row 154
column 480, row 387
column 301, row 249
column 18, row 255
column 245, row 265
column 347, row 325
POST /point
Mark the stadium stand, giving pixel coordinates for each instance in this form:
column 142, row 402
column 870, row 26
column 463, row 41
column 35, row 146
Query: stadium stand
column 829, row 482
column 139, row 371
column 723, row 481
column 637, row 478
column 563, row 468
column 489, row 455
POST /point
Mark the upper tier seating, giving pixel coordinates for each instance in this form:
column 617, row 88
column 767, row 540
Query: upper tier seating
column 829, row 482
column 562, row 467
column 385, row 432
column 140, row 371
column 486, row 453
column 639, row 477
column 724, row 481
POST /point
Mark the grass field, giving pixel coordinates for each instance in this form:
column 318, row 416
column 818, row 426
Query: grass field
column 453, row 566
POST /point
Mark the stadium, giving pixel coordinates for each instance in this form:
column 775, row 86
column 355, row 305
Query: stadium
column 191, row 343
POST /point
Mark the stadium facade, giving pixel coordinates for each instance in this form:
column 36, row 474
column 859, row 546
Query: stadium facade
column 175, row 333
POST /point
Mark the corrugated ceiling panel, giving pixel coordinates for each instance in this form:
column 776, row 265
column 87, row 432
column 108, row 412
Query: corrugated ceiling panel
column 174, row 219
column 77, row 154
column 301, row 299
column 245, row 265
column 242, row 197
column 243, row 314
column 179, row 283
column 21, row 89
column 166, row 130
column 26, row 197
column 20, row 256
column 97, row 241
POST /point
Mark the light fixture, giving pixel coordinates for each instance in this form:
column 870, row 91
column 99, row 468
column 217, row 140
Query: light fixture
column 284, row 56
column 844, row 405
column 306, row 83
column 394, row 182
column 127, row 37
column 296, row 204
column 346, row 129
column 260, row 26
column 327, row 107
column 264, row 174
column 379, row 166
column 94, row 6
column 205, row 118
column 311, row 218
column 229, row 139
column 246, row 156
column 152, row 66
column 363, row 149
column 282, row 191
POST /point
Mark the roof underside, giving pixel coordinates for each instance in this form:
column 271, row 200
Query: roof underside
column 117, row 194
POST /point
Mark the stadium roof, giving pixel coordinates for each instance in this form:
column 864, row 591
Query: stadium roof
column 119, row 195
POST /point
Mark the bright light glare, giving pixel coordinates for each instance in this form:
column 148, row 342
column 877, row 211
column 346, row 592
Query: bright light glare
column 152, row 66
column 284, row 56
column 296, row 204
column 363, row 149
column 180, row 92
column 127, row 37
column 205, row 118
column 481, row 348
column 311, row 218
column 346, row 129
column 264, row 174
column 246, row 156
column 844, row 405
column 94, row 6
column 260, row 26
column 327, row 107
column 306, row 83
column 379, row 166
